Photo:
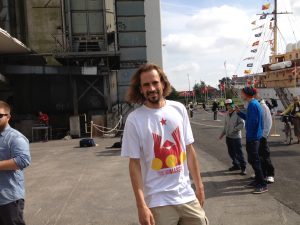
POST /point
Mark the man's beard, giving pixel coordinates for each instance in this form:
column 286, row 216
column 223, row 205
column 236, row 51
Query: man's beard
column 2, row 127
column 153, row 100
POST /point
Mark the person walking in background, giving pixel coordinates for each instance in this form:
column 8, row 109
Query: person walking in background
column 294, row 110
column 215, row 109
column 222, row 104
column 191, row 109
column 254, row 131
column 264, row 149
column 14, row 158
column 233, row 131
column 158, row 140
column 204, row 106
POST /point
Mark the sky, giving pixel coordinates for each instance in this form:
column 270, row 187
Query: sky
column 203, row 37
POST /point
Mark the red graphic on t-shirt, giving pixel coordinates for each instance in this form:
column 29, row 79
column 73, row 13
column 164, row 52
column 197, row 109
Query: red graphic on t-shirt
column 170, row 154
column 163, row 121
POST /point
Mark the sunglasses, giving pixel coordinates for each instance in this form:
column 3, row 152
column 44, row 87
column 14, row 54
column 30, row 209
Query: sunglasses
column 1, row 115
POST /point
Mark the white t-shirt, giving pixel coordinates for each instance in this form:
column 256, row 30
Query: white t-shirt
column 158, row 137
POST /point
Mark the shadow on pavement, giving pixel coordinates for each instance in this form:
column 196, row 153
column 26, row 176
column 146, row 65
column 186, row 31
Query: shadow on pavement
column 226, row 188
column 284, row 153
column 110, row 152
column 223, row 188
column 220, row 173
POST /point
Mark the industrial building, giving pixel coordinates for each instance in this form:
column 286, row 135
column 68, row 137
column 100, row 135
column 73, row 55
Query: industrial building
column 73, row 59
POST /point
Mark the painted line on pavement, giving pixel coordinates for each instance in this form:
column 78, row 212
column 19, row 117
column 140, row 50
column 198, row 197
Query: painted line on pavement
column 206, row 125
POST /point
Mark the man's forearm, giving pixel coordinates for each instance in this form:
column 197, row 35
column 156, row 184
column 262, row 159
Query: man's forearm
column 136, row 181
column 8, row 165
column 194, row 167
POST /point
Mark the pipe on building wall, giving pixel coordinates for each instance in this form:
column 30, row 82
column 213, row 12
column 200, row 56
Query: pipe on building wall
column 70, row 47
column 62, row 6
column 105, row 25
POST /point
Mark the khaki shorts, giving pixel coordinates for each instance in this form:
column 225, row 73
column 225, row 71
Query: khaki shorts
column 190, row 213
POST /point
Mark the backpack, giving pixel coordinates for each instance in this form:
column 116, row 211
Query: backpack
column 86, row 142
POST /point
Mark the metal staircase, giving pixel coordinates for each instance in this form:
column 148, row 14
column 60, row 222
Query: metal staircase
column 284, row 95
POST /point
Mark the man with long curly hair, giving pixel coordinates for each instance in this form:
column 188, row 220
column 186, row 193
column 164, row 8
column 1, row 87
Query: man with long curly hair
column 158, row 141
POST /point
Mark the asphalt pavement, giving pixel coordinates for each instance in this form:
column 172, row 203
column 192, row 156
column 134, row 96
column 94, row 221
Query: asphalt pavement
column 286, row 158
column 68, row 185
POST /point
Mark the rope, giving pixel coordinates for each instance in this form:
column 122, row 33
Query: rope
column 107, row 130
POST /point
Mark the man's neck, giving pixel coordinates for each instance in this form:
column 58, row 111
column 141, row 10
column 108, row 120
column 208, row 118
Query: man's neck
column 158, row 105
column 3, row 128
column 249, row 99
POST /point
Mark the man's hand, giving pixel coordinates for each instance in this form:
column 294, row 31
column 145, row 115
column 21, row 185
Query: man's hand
column 200, row 195
column 221, row 136
column 237, row 109
column 145, row 216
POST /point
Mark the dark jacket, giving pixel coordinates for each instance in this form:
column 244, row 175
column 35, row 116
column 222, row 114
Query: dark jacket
column 215, row 106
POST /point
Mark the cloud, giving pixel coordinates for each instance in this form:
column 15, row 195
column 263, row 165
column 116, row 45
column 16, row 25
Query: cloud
column 198, row 42
column 202, row 43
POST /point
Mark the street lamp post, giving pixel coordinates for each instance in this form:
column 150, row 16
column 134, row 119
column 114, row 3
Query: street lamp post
column 189, row 85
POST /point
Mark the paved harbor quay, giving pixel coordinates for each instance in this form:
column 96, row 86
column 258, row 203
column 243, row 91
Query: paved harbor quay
column 68, row 185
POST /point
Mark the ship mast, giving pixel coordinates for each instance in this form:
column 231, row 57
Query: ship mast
column 275, row 28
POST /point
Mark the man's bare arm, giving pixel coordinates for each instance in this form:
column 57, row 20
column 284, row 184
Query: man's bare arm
column 145, row 215
column 194, row 169
column 8, row 165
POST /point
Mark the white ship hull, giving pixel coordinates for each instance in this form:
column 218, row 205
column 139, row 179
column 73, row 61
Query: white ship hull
column 268, row 93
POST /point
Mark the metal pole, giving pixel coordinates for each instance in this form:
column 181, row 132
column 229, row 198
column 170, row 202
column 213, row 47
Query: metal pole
column 189, row 86
column 275, row 27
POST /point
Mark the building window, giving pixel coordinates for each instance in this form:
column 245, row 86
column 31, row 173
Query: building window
column 296, row 55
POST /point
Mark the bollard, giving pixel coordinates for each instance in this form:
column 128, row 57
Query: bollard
column 92, row 124
column 275, row 130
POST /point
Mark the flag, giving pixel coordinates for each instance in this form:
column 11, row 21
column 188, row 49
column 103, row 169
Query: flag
column 266, row 6
column 270, row 41
column 222, row 86
column 247, row 71
column 255, row 43
column 254, row 50
column 254, row 22
column 263, row 16
column 261, row 26
column 258, row 35
column 248, row 58
column 250, row 65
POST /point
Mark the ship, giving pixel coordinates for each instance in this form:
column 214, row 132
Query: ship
column 280, row 77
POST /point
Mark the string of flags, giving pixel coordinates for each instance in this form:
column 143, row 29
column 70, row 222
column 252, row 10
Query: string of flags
column 258, row 35
column 266, row 6
column 255, row 45
column 248, row 58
